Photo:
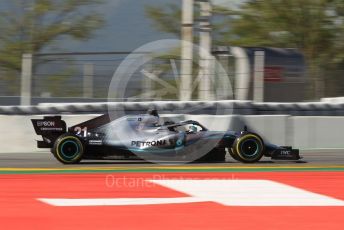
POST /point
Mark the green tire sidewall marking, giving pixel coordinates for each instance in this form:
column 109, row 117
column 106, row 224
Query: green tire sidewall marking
column 62, row 156
column 245, row 137
column 73, row 155
column 250, row 155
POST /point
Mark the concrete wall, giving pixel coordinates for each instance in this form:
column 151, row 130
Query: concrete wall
column 317, row 132
column 17, row 133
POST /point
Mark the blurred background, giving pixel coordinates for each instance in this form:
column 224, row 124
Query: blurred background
column 271, row 50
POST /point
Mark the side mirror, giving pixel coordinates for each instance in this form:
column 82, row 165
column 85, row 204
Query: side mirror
column 245, row 130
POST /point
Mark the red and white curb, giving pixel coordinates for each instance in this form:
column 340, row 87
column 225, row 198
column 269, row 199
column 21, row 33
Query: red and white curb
column 192, row 200
column 224, row 192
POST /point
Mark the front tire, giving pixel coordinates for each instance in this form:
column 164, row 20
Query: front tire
column 68, row 149
column 248, row 148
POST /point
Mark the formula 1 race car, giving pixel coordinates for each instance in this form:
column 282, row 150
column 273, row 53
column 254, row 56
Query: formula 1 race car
column 146, row 137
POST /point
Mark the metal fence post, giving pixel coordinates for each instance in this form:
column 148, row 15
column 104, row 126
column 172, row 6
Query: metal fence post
column 242, row 72
column 206, row 59
column 88, row 80
column 26, row 80
column 147, row 84
column 186, row 62
column 258, row 88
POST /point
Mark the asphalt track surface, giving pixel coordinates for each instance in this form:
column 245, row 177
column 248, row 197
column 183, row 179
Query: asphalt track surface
column 44, row 159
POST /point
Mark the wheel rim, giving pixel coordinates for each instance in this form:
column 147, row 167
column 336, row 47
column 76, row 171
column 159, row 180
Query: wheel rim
column 250, row 148
column 69, row 149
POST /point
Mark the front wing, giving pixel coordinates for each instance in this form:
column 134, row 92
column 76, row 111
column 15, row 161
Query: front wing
column 285, row 153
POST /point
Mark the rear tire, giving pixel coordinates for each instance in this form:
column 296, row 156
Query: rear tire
column 68, row 149
column 248, row 148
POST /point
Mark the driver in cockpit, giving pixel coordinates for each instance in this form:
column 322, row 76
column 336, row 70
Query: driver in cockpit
column 192, row 129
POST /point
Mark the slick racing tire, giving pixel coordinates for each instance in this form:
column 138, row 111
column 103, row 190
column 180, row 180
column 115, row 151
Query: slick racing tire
column 248, row 148
column 68, row 149
column 234, row 156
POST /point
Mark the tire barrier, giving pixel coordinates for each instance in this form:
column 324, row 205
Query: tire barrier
column 184, row 107
column 300, row 109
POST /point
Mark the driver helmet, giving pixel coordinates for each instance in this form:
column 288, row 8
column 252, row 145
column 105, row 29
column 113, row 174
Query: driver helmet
column 153, row 112
column 192, row 129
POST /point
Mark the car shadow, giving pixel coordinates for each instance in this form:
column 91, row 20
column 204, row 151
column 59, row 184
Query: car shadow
column 108, row 162
column 142, row 162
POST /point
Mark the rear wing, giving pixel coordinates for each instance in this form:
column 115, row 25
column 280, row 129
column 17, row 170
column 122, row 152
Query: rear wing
column 50, row 128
